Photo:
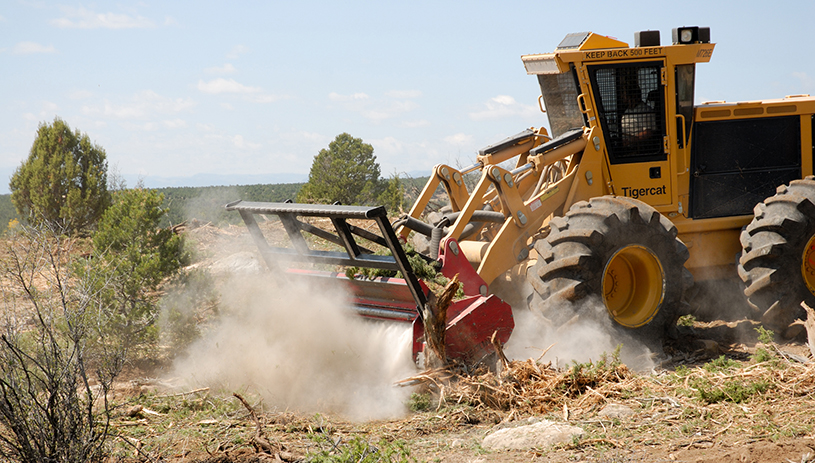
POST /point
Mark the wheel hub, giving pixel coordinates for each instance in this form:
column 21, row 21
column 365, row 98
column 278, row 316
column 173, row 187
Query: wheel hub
column 808, row 265
column 634, row 285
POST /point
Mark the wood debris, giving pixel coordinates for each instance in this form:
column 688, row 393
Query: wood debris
column 809, row 324
column 434, row 317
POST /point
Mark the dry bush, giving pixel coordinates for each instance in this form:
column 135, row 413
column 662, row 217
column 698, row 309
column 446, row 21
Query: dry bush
column 53, row 389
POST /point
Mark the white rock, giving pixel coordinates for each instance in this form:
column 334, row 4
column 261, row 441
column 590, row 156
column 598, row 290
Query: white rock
column 536, row 435
column 617, row 411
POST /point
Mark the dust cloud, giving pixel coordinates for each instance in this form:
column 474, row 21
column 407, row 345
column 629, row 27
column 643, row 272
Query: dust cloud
column 299, row 346
column 208, row 206
column 582, row 339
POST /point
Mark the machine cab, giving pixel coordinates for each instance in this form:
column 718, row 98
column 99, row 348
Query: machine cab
column 638, row 101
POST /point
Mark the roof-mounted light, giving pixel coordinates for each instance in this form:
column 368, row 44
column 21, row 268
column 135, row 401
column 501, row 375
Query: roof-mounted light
column 646, row 39
column 693, row 34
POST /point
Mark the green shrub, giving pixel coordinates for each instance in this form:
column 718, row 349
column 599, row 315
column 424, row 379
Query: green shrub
column 131, row 258
column 419, row 402
column 358, row 450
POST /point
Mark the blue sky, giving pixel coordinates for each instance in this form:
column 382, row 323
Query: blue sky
column 245, row 91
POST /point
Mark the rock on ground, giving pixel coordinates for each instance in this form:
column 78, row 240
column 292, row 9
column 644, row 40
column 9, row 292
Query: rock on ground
column 617, row 411
column 540, row 434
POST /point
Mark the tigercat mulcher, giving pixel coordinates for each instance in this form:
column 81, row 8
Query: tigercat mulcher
column 634, row 194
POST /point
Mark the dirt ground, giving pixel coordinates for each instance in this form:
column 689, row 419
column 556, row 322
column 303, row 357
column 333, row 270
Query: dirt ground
column 666, row 424
column 671, row 418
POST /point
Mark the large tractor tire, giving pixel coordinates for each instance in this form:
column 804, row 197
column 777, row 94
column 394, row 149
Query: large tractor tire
column 777, row 263
column 625, row 254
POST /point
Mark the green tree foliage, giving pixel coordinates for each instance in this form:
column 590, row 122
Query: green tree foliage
column 7, row 212
column 133, row 256
column 63, row 181
column 393, row 196
column 346, row 172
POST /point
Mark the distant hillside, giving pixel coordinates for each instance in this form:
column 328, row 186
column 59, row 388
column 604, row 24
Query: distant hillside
column 203, row 203
column 207, row 203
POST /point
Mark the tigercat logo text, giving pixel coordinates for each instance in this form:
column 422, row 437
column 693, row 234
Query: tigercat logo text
column 637, row 192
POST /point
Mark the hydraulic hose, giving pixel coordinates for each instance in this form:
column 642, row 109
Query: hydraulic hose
column 435, row 233
column 435, row 241
column 427, row 230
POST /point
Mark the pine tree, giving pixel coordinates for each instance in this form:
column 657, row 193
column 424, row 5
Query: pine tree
column 63, row 181
column 346, row 172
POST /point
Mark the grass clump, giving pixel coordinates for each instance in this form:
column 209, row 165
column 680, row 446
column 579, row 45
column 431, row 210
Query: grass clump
column 358, row 450
column 590, row 374
column 419, row 402
column 686, row 320
column 763, row 354
column 721, row 364
column 736, row 391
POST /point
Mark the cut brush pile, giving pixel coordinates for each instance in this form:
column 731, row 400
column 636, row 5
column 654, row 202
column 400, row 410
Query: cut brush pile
column 771, row 395
column 529, row 387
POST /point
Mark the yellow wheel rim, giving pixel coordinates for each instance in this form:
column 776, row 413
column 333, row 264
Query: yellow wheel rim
column 634, row 286
column 808, row 265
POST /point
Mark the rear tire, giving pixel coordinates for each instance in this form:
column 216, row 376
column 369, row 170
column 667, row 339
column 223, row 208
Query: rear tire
column 777, row 262
column 623, row 252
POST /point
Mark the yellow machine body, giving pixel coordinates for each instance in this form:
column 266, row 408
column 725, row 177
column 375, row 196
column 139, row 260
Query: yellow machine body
column 713, row 242
column 694, row 172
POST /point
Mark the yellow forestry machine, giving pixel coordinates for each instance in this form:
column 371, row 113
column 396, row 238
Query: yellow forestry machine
column 634, row 194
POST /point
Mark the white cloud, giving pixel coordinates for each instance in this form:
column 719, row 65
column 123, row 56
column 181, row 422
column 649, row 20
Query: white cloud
column 505, row 100
column 28, row 48
column 46, row 112
column 297, row 137
column 415, row 124
column 252, row 94
column 265, row 98
column 221, row 85
column 49, row 107
column 356, row 96
column 459, row 139
column 389, row 110
column 237, row 51
column 239, row 142
column 375, row 110
column 387, row 146
column 503, row 106
column 82, row 18
column 175, row 124
column 225, row 69
column 144, row 105
column 404, row 94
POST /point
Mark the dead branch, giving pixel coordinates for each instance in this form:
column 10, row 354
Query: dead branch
column 258, row 440
column 499, row 349
column 181, row 394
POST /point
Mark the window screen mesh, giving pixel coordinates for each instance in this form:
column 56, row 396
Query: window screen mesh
column 560, row 97
column 631, row 107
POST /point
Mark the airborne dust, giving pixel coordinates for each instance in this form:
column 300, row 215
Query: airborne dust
column 301, row 348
